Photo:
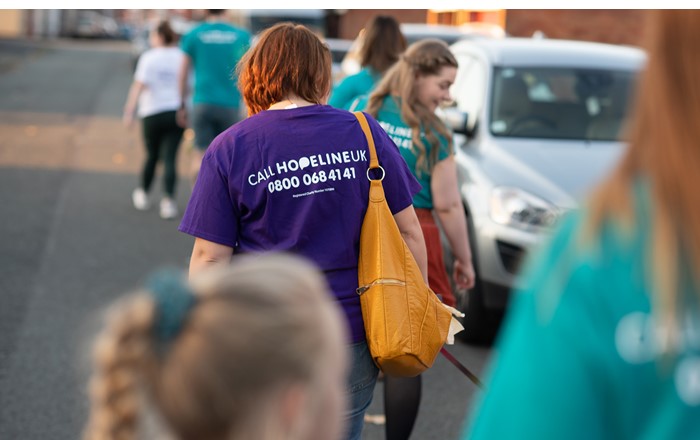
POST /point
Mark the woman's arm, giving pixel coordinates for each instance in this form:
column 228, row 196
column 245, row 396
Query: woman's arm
column 448, row 206
column 131, row 102
column 206, row 254
column 183, row 85
column 412, row 234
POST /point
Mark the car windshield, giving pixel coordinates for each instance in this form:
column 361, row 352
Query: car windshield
column 560, row 103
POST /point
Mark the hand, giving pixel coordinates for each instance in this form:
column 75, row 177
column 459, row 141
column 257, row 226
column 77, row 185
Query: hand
column 181, row 117
column 463, row 274
column 128, row 119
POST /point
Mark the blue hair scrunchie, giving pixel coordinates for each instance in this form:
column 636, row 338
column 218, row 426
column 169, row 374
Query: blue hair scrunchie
column 173, row 300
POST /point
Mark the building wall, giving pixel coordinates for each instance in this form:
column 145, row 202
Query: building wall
column 605, row 26
column 615, row 26
column 11, row 23
column 352, row 20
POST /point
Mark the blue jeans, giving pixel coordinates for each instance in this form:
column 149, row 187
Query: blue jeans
column 208, row 121
column 361, row 382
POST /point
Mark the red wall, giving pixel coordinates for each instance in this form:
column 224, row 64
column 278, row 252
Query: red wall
column 602, row 25
column 355, row 19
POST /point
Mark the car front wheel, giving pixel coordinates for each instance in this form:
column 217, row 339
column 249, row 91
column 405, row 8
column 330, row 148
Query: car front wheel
column 480, row 324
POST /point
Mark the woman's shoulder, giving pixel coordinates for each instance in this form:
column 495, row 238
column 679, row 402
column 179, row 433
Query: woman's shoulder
column 162, row 54
column 390, row 111
column 361, row 81
column 174, row 51
column 362, row 75
column 391, row 103
column 359, row 103
column 368, row 74
column 148, row 54
column 268, row 121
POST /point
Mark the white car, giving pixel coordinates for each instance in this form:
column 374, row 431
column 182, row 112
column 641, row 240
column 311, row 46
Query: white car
column 92, row 24
column 537, row 124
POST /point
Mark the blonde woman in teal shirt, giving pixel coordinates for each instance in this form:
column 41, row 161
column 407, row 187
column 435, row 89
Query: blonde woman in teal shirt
column 603, row 341
column 383, row 44
column 404, row 103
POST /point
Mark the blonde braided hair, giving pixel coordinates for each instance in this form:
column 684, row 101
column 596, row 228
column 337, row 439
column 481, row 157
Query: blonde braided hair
column 225, row 369
column 122, row 354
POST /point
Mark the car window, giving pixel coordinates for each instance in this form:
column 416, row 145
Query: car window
column 560, row 103
column 470, row 85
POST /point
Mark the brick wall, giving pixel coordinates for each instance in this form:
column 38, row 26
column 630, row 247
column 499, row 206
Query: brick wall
column 353, row 20
column 605, row 26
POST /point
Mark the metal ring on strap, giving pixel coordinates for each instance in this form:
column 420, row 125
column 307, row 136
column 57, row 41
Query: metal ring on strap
column 379, row 167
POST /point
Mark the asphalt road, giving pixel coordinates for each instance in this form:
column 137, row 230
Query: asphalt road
column 72, row 243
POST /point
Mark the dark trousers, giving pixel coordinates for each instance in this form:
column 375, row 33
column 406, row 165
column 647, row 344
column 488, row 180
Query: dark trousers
column 162, row 137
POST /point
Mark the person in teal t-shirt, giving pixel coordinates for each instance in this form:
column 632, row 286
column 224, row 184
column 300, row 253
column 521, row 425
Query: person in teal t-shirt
column 404, row 103
column 212, row 51
column 383, row 44
column 389, row 117
column 603, row 339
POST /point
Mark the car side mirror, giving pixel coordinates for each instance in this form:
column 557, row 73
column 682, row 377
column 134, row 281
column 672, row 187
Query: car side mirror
column 458, row 121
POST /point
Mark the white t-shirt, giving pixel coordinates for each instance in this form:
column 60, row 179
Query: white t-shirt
column 158, row 69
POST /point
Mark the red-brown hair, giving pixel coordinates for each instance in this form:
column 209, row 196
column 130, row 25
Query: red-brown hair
column 288, row 59
column 663, row 148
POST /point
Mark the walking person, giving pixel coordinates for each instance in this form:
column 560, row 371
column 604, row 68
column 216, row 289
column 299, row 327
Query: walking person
column 404, row 103
column 156, row 94
column 249, row 351
column 292, row 177
column 383, row 43
column 212, row 50
column 602, row 340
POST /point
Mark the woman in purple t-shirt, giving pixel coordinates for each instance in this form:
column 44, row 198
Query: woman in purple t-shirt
column 291, row 178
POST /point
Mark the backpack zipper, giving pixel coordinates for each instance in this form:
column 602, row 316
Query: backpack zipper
column 386, row 281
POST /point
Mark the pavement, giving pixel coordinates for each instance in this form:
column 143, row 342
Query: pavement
column 72, row 241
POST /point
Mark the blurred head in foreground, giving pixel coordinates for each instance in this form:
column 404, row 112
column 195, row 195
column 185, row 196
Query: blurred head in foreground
column 251, row 351
column 663, row 150
column 609, row 308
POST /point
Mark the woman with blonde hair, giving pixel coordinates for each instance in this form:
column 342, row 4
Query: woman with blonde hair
column 404, row 103
column 249, row 351
column 602, row 341
column 292, row 177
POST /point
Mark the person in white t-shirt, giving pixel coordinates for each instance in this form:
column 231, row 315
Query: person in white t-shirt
column 155, row 93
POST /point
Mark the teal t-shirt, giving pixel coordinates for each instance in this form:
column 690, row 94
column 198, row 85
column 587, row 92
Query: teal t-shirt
column 577, row 357
column 389, row 117
column 215, row 48
column 353, row 86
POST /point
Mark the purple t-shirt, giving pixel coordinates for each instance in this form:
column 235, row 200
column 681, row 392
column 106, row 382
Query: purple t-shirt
column 295, row 180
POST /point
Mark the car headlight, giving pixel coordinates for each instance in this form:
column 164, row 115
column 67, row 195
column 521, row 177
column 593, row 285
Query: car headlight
column 515, row 207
